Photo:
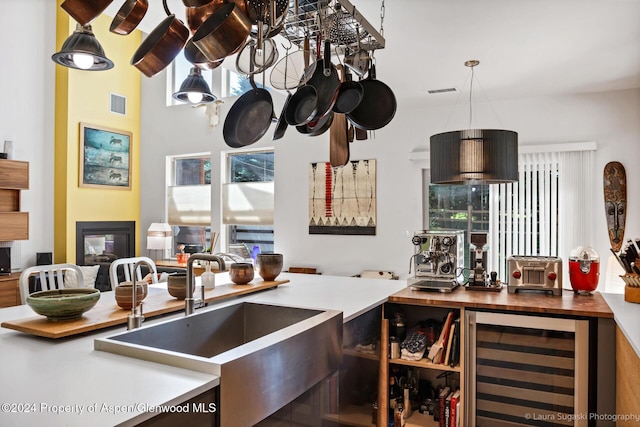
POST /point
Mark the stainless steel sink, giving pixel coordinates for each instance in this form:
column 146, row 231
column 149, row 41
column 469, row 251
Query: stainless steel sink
column 264, row 354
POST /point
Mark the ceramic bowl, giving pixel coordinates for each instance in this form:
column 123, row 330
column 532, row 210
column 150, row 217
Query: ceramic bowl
column 177, row 285
column 269, row 266
column 124, row 294
column 241, row 273
column 63, row 304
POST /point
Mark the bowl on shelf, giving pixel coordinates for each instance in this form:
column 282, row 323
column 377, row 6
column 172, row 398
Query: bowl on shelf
column 269, row 266
column 124, row 294
column 241, row 273
column 63, row 304
column 177, row 285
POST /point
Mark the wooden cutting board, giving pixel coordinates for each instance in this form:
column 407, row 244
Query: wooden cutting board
column 107, row 313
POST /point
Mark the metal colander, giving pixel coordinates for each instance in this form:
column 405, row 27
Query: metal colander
column 341, row 28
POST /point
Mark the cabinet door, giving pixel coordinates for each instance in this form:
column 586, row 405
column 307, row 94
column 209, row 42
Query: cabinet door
column 9, row 294
column 524, row 369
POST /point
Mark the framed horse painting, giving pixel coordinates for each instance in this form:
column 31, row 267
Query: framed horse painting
column 105, row 157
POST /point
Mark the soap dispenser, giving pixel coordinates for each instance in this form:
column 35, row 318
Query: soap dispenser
column 207, row 278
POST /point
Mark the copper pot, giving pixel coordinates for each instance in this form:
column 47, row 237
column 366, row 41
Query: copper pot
column 197, row 15
column 196, row 3
column 84, row 11
column 161, row 46
column 223, row 32
column 194, row 56
column 129, row 16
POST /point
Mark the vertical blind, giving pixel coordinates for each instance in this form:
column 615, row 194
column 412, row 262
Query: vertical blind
column 547, row 212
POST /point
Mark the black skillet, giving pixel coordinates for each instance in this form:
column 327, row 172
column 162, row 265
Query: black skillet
column 315, row 99
column 349, row 95
column 249, row 117
column 378, row 105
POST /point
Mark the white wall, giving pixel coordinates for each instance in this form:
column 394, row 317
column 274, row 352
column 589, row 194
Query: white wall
column 27, row 113
column 610, row 119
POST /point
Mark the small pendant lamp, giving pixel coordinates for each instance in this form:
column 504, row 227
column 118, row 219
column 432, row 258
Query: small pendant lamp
column 194, row 89
column 82, row 51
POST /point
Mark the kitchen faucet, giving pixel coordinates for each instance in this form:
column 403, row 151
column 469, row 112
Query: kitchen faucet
column 189, row 305
column 135, row 318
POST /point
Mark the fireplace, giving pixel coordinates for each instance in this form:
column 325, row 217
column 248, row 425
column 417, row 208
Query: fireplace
column 100, row 242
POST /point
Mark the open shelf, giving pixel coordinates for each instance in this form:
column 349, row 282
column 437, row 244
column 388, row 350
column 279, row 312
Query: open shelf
column 425, row 363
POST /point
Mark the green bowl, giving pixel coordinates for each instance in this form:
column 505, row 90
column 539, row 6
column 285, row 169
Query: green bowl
column 63, row 304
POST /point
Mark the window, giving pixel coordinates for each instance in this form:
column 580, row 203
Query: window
column 248, row 199
column 189, row 207
column 547, row 212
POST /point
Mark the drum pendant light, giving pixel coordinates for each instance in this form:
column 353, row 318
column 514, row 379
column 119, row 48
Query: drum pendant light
column 194, row 89
column 474, row 155
column 82, row 51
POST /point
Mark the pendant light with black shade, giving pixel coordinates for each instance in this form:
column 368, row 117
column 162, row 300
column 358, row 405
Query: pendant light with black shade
column 82, row 51
column 473, row 156
column 195, row 89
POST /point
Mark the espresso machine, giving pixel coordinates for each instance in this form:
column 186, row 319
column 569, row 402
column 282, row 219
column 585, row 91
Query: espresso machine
column 438, row 261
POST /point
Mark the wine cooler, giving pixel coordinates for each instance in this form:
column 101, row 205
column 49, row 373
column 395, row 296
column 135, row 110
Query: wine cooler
column 526, row 370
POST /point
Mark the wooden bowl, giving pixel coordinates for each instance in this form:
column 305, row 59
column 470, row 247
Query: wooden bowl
column 241, row 273
column 177, row 285
column 269, row 266
column 124, row 294
column 63, row 304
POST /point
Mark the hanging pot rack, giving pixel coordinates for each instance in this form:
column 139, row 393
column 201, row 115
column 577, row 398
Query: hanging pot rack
column 338, row 21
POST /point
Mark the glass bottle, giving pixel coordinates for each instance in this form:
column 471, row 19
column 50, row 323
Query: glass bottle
column 208, row 279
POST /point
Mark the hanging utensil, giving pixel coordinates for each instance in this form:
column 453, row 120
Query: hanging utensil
column 249, row 117
column 349, row 94
column 197, row 15
column 194, row 56
column 281, row 127
column 224, row 32
column 161, row 46
column 378, row 105
column 249, row 57
column 84, row 11
column 325, row 81
column 129, row 16
column 338, row 135
column 359, row 61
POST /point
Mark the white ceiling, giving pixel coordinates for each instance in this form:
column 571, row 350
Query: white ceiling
column 526, row 48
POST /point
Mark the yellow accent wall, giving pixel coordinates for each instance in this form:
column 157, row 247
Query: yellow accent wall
column 83, row 97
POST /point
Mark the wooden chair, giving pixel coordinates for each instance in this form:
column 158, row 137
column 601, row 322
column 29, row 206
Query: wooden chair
column 127, row 265
column 51, row 277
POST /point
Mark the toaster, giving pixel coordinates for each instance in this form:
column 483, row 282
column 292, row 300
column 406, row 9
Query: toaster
column 539, row 273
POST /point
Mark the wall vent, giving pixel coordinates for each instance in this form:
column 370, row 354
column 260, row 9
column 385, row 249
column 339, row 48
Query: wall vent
column 445, row 90
column 118, row 104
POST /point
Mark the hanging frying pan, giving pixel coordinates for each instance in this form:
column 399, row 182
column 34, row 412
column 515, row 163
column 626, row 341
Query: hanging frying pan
column 349, row 95
column 378, row 105
column 249, row 117
column 325, row 81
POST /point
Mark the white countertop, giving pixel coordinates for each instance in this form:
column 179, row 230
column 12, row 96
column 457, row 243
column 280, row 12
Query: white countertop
column 67, row 382
column 627, row 317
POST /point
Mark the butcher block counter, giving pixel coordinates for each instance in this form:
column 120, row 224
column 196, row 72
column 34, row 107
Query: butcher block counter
column 531, row 302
